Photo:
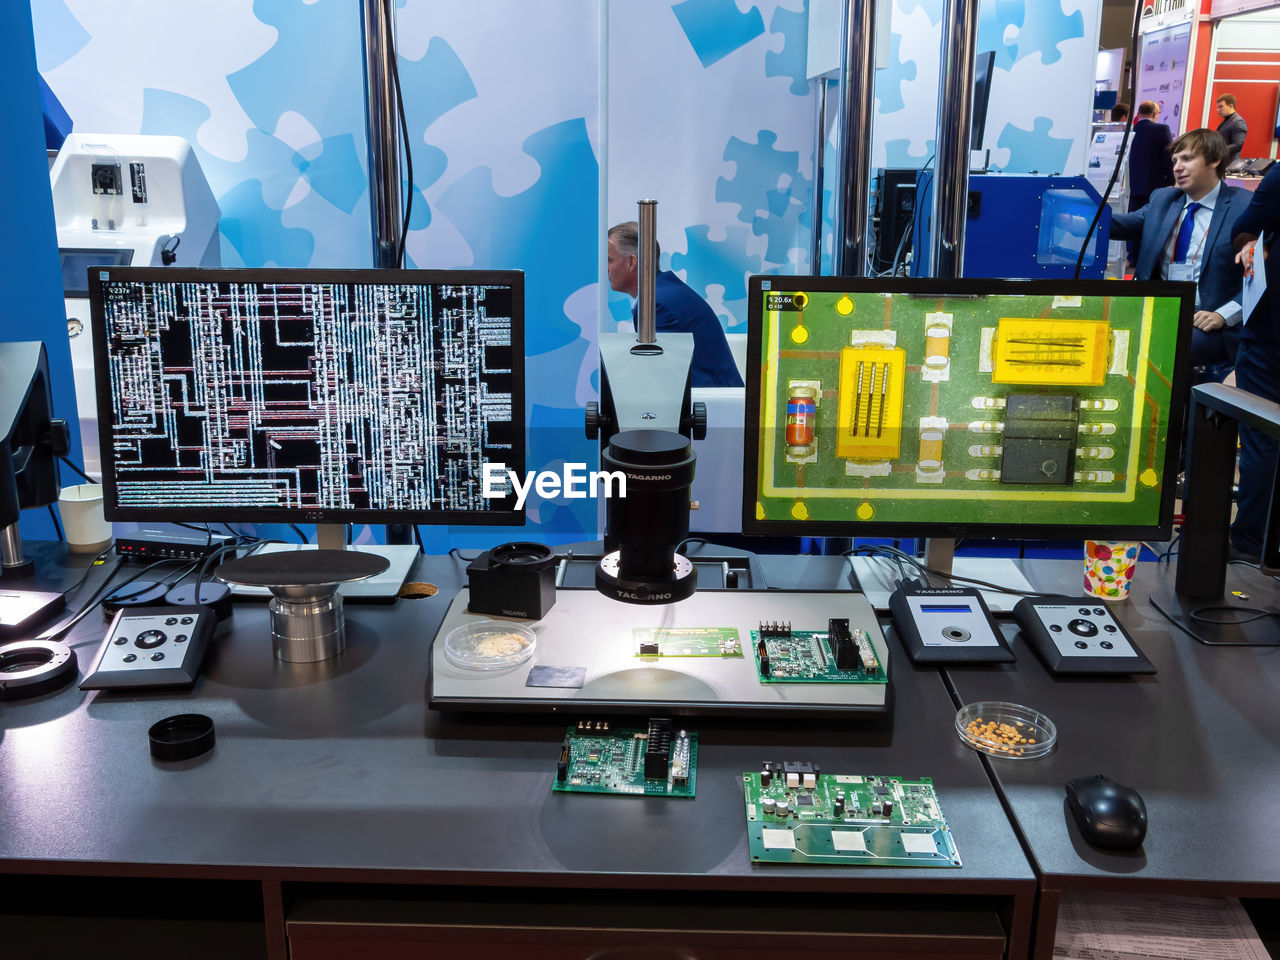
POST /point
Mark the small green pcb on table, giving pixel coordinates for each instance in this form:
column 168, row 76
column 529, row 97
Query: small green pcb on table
column 654, row 762
column 686, row 642
column 797, row 814
column 834, row 655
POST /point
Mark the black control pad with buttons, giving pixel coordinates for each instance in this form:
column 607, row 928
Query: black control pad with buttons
column 152, row 647
column 1078, row 635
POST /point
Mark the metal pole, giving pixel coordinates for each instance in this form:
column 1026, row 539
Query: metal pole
column 385, row 211
column 857, row 90
column 382, row 134
column 955, row 118
column 819, row 158
column 647, row 284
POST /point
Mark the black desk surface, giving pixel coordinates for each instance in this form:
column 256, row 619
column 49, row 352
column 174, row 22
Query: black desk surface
column 338, row 771
column 1200, row 740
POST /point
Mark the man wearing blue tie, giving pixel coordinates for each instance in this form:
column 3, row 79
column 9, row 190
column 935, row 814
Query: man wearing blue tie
column 1185, row 233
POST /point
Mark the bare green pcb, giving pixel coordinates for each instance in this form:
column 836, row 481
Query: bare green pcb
column 659, row 761
column 686, row 641
column 797, row 814
column 784, row 655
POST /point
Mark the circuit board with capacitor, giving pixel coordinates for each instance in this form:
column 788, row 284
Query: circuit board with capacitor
column 798, row 814
column 835, row 655
column 659, row 761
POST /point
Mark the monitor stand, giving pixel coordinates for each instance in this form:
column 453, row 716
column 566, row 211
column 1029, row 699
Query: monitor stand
column 1248, row 592
column 877, row 576
column 384, row 588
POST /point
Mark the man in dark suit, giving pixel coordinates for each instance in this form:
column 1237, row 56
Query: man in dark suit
column 1257, row 363
column 1233, row 128
column 1150, row 166
column 676, row 308
column 1185, row 233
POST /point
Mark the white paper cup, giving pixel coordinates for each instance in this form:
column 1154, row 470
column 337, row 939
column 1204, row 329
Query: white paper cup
column 82, row 522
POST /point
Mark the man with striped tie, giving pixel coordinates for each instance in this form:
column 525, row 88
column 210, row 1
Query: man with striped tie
column 1184, row 233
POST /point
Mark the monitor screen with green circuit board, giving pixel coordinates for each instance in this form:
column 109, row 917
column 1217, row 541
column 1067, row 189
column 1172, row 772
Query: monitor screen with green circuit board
column 964, row 408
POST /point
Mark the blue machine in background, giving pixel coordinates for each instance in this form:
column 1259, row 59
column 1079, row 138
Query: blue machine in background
column 1021, row 226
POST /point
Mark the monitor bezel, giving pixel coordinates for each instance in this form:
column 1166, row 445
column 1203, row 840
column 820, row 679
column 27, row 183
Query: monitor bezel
column 112, row 510
column 933, row 287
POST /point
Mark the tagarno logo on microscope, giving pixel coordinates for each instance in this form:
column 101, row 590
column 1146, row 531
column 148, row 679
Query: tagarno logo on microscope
column 573, row 482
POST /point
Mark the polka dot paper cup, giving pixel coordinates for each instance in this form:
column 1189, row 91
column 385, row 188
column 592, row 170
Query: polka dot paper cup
column 1109, row 567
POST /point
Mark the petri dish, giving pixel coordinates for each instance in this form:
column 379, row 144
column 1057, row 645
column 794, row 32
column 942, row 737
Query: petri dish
column 1030, row 725
column 489, row 645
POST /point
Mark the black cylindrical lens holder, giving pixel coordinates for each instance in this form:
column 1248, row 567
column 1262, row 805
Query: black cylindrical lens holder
column 647, row 525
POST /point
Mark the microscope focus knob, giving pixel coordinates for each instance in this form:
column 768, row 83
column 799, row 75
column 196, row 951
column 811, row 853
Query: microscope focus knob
column 698, row 420
column 594, row 420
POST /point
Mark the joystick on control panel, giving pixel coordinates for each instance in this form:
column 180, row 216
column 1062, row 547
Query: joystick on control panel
column 152, row 647
column 1078, row 635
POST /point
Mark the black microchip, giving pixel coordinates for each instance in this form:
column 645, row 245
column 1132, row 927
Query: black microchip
column 804, row 800
column 1039, row 442
column 883, row 791
column 913, row 789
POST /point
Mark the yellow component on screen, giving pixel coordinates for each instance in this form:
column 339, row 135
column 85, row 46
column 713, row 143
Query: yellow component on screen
column 1051, row 351
column 870, row 411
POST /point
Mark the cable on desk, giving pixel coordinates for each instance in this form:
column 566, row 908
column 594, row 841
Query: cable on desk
column 1197, row 615
column 53, row 515
column 926, row 572
column 98, row 595
column 457, row 554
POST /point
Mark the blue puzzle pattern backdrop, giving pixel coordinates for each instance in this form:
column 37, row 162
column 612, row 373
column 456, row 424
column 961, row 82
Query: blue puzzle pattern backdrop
column 708, row 110
column 1041, row 88
column 710, row 113
column 502, row 110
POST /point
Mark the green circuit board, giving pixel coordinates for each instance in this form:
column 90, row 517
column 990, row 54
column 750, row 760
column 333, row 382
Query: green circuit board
column 784, row 655
column 797, row 814
column 686, row 642
column 658, row 761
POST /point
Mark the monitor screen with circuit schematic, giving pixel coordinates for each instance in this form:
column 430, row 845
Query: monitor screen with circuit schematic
column 1047, row 409
column 309, row 396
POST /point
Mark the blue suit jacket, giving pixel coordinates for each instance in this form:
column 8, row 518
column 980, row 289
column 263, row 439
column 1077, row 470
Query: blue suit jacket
column 1153, row 226
column 1150, row 164
column 1263, row 215
column 677, row 308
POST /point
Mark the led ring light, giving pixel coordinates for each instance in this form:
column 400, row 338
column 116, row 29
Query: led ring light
column 29, row 668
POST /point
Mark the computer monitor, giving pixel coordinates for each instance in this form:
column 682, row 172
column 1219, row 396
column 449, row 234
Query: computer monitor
column 309, row 396
column 1046, row 409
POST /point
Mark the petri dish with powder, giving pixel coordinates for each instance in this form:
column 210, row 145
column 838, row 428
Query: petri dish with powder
column 489, row 645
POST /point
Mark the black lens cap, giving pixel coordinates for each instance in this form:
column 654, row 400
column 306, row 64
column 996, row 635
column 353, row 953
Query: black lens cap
column 181, row 737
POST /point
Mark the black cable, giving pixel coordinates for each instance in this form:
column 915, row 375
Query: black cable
column 1255, row 614
column 1124, row 143
column 455, row 552
column 77, row 469
column 417, row 536
column 53, row 515
column 97, row 597
column 404, row 131
column 1197, row 616
column 298, row 530
column 87, row 570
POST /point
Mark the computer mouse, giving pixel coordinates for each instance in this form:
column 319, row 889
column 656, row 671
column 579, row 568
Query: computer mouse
column 1109, row 814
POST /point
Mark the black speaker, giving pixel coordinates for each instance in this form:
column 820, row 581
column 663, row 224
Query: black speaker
column 513, row 580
